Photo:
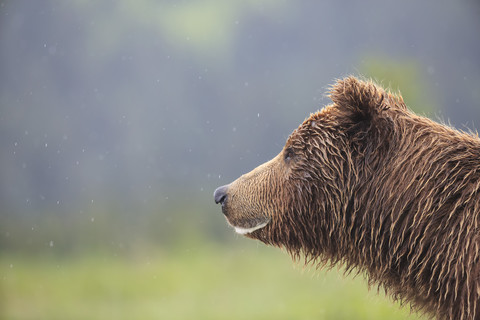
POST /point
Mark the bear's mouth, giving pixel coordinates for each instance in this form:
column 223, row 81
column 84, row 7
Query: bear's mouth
column 245, row 225
column 249, row 226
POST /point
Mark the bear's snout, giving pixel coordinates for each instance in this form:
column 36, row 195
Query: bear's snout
column 220, row 194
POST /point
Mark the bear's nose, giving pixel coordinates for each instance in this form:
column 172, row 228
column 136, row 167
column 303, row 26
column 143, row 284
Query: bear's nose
column 220, row 194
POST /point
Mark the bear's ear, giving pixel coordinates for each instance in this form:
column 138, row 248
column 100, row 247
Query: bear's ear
column 360, row 108
column 358, row 100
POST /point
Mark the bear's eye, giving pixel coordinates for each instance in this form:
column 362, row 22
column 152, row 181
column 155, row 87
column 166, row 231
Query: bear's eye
column 289, row 154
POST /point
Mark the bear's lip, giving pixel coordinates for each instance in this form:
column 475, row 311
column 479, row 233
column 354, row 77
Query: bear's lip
column 240, row 230
column 246, row 230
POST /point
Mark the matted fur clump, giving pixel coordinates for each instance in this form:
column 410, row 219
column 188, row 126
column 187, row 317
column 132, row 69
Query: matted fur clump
column 367, row 183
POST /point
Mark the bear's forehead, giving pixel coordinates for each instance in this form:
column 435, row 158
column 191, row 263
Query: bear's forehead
column 316, row 121
column 324, row 114
column 296, row 138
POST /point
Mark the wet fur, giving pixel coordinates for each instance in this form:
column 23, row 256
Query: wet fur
column 368, row 184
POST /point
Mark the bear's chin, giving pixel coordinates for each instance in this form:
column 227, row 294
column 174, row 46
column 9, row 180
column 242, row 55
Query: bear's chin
column 250, row 227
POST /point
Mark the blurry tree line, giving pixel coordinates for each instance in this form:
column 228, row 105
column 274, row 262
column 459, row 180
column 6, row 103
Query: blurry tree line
column 118, row 118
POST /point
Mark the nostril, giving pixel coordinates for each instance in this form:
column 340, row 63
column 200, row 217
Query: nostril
column 220, row 194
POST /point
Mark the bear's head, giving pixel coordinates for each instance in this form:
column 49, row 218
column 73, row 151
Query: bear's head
column 300, row 199
column 367, row 183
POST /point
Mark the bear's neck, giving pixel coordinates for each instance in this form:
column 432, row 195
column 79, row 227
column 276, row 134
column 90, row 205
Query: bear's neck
column 412, row 222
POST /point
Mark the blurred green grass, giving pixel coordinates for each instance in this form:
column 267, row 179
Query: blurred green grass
column 197, row 281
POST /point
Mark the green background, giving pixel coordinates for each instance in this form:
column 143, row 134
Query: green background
column 119, row 118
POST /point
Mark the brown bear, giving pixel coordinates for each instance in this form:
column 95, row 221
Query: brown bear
column 366, row 183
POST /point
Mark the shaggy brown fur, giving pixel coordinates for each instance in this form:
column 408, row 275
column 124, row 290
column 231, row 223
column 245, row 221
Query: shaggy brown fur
column 367, row 183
